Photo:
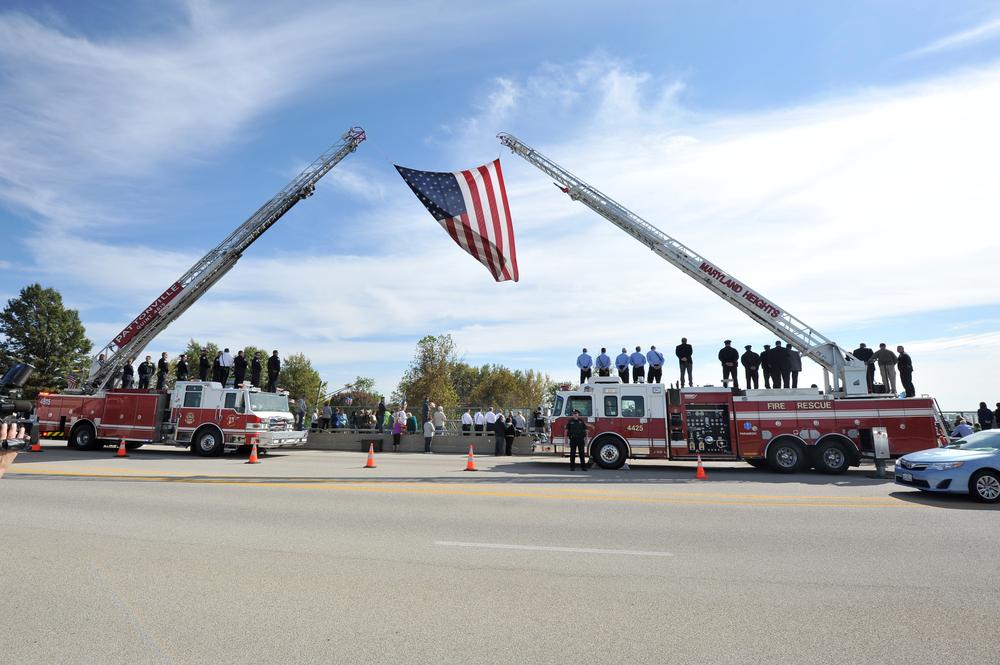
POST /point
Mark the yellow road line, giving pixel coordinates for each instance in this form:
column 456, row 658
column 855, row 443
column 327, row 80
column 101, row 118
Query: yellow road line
column 486, row 490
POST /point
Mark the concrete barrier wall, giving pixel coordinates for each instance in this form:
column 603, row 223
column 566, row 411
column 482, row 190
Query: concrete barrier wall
column 410, row 443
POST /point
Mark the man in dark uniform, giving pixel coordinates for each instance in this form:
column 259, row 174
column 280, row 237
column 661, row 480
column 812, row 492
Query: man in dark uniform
column 576, row 430
column 182, row 368
column 621, row 362
column 684, row 353
column 794, row 364
column 730, row 358
column 162, row 368
column 203, row 366
column 766, row 366
column 904, row 364
column 239, row 368
column 145, row 371
column 255, row 368
column 273, row 369
column 782, row 366
column 864, row 354
column 217, row 368
column 128, row 372
column 751, row 363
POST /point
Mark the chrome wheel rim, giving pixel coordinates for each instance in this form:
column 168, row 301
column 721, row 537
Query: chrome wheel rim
column 833, row 458
column 787, row 457
column 207, row 443
column 609, row 453
column 988, row 487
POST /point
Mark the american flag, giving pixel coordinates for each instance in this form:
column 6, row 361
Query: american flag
column 472, row 207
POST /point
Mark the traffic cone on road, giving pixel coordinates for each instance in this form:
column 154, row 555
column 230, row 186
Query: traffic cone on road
column 253, row 455
column 121, row 449
column 700, row 473
column 370, row 464
column 36, row 447
column 470, row 465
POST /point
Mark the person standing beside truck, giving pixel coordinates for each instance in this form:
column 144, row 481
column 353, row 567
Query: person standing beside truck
column 576, row 430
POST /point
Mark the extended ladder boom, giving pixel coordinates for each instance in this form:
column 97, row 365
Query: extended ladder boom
column 848, row 372
column 183, row 293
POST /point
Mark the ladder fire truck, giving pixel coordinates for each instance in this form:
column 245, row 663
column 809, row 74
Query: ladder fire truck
column 205, row 415
column 786, row 430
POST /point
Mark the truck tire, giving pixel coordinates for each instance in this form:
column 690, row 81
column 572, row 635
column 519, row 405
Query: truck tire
column 984, row 486
column 608, row 453
column 831, row 458
column 785, row 456
column 208, row 443
column 83, row 437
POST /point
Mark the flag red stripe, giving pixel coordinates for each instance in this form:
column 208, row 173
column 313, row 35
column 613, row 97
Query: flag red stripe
column 510, row 226
column 494, row 214
column 470, row 237
column 481, row 221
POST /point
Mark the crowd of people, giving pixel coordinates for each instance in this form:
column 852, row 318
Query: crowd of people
column 224, row 364
column 985, row 419
column 780, row 366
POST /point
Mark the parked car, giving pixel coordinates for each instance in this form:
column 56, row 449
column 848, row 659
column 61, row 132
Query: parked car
column 970, row 465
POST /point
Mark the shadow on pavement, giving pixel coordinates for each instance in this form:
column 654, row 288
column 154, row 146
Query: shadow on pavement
column 949, row 501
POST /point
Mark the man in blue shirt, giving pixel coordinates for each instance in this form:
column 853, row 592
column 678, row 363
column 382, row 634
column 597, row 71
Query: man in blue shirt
column 655, row 359
column 621, row 362
column 638, row 363
column 603, row 363
column 583, row 361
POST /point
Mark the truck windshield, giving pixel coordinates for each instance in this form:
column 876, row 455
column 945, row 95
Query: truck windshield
column 268, row 402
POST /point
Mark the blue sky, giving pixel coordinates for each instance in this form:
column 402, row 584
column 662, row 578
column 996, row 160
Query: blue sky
column 840, row 159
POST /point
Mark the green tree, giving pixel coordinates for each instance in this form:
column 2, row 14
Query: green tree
column 39, row 330
column 300, row 379
column 429, row 374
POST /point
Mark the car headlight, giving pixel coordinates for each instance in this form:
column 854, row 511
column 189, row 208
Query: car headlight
column 944, row 466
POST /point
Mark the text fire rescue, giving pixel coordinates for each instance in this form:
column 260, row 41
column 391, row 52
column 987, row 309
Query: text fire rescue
column 780, row 406
column 737, row 288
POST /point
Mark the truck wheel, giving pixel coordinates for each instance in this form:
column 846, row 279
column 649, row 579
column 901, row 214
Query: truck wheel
column 785, row 457
column 208, row 443
column 608, row 454
column 831, row 458
column 985, row 486
column 83, row 437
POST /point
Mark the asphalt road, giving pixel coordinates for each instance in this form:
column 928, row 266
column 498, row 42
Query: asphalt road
column 307, row 558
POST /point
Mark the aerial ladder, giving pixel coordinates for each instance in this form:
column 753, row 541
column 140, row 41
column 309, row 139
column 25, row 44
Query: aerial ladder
column 843, row 373
column 106, row 366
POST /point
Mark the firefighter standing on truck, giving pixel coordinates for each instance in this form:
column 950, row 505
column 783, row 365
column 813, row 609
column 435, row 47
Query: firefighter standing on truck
column 273, row 369
column 684, row 352
column 203, row 366
column 128, row 373
column 162, row 367
column 584, row 362
column 638, row 361
column 182, row 368
column 751, row 363
column 145, row 371
column 621, row 362
column 576, row 430
column 730, row 358
column 603, row 363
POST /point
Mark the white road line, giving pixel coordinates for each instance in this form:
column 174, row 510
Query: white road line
column 547, row 548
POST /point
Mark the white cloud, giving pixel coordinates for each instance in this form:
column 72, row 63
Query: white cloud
column 983, row 32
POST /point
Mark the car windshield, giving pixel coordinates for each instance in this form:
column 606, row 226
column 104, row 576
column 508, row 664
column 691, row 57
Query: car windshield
column 268, row 402
column 985, row 440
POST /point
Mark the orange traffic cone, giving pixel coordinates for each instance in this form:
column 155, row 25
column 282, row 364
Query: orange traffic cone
column 36, row 447
column 370, row 464
column 253, row 455
column 470, row 465
column 121, row 449
column 700, row 473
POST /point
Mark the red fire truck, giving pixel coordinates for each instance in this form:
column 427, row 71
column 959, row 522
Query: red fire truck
column 200, row 414
column 787, row 429
column 205, row 415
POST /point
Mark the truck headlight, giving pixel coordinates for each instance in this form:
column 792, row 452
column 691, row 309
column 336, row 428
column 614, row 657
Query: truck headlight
column 256, row 426
column 944, row 466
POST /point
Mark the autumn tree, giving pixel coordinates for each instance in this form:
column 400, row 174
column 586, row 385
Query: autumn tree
column 430, row 373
